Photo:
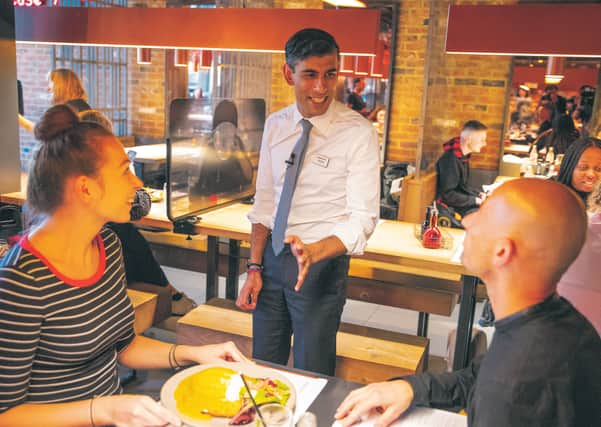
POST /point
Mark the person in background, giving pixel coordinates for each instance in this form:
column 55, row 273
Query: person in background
column 141, row 267
column 378, row 119
column 557, row 101
column 453, row 168
column 522, row 116
column 560, row 136
column 542, row 367
column 523, row 94
column 581, row 166
column 580, row 284
column 309, row 215
column 65, row 317
column 581, row 171
column 64, row 87
column 545, row 114
column 355, row 101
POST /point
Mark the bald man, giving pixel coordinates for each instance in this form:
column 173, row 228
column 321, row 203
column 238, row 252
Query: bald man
column 543, row 367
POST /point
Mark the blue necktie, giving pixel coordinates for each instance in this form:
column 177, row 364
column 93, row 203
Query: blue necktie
column 294, row 165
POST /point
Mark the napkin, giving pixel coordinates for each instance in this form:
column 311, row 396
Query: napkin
column 418, row 417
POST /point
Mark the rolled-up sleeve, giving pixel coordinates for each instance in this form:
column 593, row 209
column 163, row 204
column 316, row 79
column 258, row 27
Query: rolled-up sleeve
column 362, row 192
column 264, row 205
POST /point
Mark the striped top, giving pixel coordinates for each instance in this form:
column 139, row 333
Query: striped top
column 59, row 337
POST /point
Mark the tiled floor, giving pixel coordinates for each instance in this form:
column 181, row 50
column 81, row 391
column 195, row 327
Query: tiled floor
column 357, row 312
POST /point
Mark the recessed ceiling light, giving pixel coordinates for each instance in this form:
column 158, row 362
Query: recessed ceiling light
column 345, row 3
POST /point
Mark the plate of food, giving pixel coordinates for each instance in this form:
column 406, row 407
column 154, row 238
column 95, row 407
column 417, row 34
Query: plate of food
column 214, row 395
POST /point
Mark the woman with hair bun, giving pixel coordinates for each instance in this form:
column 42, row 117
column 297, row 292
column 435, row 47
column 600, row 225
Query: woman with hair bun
column 65, row 318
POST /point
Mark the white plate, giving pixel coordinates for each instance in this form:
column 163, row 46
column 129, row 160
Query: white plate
column 250, row 369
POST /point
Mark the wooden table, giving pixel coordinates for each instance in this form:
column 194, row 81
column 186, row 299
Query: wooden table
column 517, row 149
column 392, row 243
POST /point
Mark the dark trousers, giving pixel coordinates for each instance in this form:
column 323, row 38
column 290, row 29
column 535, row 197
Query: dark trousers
column 140, row 263
column 312, row 315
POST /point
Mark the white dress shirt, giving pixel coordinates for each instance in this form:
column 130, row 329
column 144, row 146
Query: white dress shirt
column 338, row 187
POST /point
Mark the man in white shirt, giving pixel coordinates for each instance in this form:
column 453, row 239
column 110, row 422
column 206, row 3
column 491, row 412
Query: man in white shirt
column 296, row 283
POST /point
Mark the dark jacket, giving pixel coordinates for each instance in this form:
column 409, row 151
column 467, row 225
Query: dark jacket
column 452, row 186
column 542, row 369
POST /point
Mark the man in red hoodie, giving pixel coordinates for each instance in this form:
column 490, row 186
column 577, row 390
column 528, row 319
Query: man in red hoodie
column 452, row 187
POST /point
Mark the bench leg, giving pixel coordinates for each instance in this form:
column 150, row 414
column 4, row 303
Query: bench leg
column 465, row 321
column 422, row 324
column 231, row 284
column 212, row 268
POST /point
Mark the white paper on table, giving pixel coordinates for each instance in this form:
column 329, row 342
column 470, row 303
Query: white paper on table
column 419, row 417
column 307, row 390
column 458, row 252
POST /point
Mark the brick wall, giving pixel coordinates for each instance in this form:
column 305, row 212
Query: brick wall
column 146, row 110
column 460, row 87
column 146, row 95
column 464, row 87
column 407, row 80
column 33, row 64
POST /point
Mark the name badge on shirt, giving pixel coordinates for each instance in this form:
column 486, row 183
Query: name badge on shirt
column 320, row 160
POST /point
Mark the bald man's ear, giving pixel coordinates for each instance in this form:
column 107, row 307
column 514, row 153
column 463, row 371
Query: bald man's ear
column 504, row 252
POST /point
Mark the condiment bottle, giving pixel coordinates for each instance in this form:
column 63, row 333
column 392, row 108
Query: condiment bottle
column 432, row 236
column 533, row 154
column 426, row 222
column 550, row 158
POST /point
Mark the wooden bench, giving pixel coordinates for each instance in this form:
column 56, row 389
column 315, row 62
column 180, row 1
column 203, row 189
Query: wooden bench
column 363, row 354
column 144, row 304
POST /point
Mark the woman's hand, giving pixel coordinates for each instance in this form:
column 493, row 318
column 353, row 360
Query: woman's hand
column 213, row 353
column 131, row 411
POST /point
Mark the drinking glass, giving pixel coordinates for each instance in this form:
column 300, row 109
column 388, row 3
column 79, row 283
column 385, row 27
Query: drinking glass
column 275, row 415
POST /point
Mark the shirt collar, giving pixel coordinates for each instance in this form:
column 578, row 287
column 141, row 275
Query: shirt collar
column 320, row 123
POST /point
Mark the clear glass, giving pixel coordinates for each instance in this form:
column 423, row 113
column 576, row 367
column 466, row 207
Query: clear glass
column 275, row 415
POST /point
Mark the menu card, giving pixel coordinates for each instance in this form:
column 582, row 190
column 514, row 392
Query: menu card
column 419, row 417
column 307, row 390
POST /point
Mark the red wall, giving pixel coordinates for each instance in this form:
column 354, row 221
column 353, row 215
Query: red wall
column 574, row 77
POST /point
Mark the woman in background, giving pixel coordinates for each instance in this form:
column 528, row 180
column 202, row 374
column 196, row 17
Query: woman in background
column 581, row 166
column 581, row 171
column 64, row 87
column 65, row 318
column 560, row 136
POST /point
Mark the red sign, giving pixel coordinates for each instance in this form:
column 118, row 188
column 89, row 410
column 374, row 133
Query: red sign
column 33, row 3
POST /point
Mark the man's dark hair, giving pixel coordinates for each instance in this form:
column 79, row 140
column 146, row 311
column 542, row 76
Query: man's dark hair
column 474, row 125
column 309, row 42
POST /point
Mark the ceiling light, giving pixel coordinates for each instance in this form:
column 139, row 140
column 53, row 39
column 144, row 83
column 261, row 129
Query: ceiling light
column 555, row 68
column 345, row 3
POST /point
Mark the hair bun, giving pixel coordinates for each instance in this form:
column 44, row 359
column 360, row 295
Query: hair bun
column 56, row 120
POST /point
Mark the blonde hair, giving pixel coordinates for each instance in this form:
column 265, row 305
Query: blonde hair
column 594, row 199
column 66, row 86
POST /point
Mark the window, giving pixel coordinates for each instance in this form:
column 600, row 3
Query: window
column 102, row 70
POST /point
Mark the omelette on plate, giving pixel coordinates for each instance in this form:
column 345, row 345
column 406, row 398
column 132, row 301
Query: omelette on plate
column 220, row 392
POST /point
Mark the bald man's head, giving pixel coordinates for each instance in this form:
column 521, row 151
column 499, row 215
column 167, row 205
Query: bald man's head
column 528, row 227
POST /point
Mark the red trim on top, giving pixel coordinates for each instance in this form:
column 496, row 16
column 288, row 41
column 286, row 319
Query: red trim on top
column 81, row 283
